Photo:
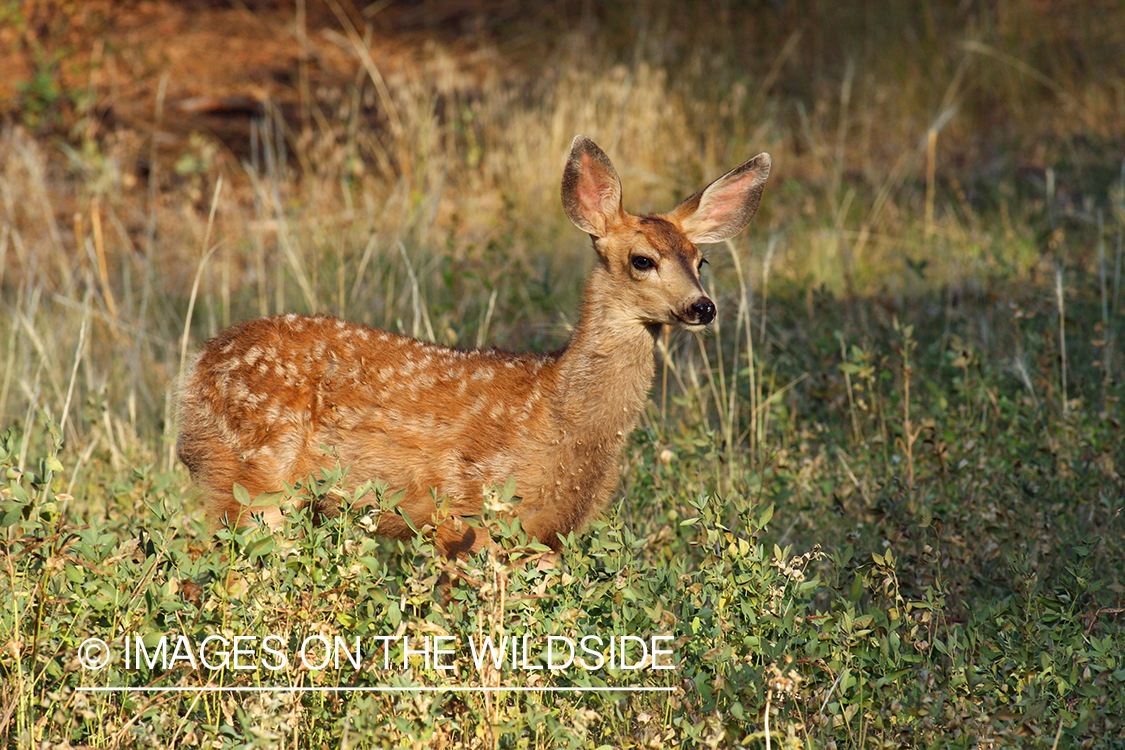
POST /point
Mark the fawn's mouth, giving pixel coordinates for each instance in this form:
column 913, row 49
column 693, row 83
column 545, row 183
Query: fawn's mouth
column 690, row 325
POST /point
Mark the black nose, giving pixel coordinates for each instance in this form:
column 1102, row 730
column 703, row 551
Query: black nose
column 704, row 310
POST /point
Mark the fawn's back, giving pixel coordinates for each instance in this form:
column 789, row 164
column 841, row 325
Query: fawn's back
column 272, row 401
column 275, row 399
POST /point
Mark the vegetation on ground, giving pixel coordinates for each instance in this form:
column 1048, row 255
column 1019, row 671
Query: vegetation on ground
column 880, row 505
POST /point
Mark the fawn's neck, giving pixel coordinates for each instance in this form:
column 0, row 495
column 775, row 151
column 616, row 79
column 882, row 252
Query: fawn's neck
column 606, row 371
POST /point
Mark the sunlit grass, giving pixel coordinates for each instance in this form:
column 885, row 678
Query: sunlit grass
column 917, row 365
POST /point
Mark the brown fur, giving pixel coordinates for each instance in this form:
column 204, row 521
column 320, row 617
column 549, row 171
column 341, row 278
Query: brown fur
column 270, row 401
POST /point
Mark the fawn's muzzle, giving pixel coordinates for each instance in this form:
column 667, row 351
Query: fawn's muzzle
column 703, row 310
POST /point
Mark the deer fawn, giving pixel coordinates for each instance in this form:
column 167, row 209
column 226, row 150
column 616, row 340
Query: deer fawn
column 272, row 401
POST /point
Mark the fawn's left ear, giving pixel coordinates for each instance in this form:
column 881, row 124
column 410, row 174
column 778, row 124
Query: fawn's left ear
column 724, row 208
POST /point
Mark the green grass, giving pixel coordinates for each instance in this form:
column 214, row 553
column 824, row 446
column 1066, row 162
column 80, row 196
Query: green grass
column 879, row 505
column 959, row 590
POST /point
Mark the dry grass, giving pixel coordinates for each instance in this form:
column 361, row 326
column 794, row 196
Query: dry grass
column 917, row 347
column 916, row 149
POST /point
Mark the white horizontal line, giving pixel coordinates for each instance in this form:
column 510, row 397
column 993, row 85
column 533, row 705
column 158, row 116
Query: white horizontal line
column 450, row 689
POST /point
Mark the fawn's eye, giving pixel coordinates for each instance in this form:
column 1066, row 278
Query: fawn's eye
column 641, row 263
column 702, row 261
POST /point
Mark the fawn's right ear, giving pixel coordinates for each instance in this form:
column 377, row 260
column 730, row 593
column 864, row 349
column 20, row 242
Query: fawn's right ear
column 591, row 191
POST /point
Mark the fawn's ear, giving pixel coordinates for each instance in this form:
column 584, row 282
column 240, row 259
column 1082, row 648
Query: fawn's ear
column 724, row 208
column 591, row 191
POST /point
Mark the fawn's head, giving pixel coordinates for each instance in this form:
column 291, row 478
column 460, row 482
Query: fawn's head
column 653, row 261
